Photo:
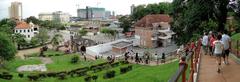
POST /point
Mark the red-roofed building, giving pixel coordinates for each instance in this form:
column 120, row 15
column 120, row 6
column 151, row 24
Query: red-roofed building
column 28, row 30
column 153, row 30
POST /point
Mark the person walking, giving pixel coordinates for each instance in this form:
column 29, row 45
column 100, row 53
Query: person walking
column 218, row 49
column 212, row 39
column 205, row 43
column 227, row 46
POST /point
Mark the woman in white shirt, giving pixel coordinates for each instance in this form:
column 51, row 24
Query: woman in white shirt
column 218, row 49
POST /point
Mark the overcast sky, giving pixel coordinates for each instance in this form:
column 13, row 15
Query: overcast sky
column 34, row 7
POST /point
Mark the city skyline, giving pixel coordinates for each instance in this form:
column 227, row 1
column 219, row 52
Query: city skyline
column 33, row 8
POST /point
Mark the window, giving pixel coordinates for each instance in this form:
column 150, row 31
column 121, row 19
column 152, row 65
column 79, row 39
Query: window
column 24, row 30
column 32, row 30
column 28, row 30
column 20, row 31
column 28, row 36
column 16, row 31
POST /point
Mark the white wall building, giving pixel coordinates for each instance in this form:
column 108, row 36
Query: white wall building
column 28, row 30
column 57, row 16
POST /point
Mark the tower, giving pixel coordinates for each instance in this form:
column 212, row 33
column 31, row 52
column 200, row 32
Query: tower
column 15, row 10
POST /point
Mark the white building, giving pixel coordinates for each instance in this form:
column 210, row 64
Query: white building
column 28, row 30
column 57, row 16
column 45, row 16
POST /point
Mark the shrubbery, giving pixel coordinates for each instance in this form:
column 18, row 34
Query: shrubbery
column 33, row 77
column 75, row 59
column 20, row 75
column 6, row 75
column 109, row 74
column 125, row 69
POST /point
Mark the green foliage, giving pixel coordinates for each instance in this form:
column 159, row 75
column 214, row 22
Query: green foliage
column 75, row 59
column 82, row 32
column 110, row 32
column 7, row 48
column 33, row 19
column 19, row 39
column 34, row 41
column 191, row 18
column 7, row 25
column 57, row 39
column 125, row 23
column 236, row 37
column 42, row 35
column 52, row 25
column 142, row 10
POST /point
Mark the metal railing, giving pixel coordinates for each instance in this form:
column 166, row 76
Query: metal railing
column 192, row 58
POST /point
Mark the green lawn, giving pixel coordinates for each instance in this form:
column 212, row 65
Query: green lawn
column 139, row 73
column 15, row 63
column 61, row 63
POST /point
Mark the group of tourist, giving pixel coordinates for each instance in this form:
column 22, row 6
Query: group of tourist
column 218, row 45
column 142, row 59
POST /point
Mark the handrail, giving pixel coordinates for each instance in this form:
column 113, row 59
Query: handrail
column 181, row 70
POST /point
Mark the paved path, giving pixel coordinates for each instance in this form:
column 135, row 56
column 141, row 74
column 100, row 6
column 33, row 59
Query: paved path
column 21, row 53
column 208, row 71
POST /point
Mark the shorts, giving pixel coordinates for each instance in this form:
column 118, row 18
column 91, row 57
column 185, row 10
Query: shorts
column 226, row 53
column 218, row 55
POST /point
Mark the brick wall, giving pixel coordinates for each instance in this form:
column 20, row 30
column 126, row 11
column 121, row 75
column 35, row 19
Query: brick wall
column 145, row 36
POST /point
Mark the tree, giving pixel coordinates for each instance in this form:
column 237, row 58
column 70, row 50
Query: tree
column 42, row 36
column 191, row 18
column 82, row 32
column 143, row 10
column 7, row 50
column 34, row 41
column 33, row 19
column 19, row 39
column 7, row 25
column 56, row 40
column 125, row 23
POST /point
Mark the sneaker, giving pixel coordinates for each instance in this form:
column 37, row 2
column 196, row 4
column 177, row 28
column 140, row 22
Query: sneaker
column 224, row 62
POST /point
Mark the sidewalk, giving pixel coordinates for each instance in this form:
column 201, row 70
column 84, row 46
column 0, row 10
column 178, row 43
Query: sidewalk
column 208, row 71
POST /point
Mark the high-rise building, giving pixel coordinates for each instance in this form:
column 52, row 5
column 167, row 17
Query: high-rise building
column 132, row 8
column 56, row 16
column 108, row 14
column 92, row 13
column 15, row 10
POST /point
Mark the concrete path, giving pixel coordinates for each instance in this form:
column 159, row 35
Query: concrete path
column 208, row 71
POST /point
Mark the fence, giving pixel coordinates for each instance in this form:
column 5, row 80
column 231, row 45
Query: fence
column 235, row 48
column 188, row 67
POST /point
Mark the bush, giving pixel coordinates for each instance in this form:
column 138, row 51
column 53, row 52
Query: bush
column 75, row 59
column 20, row 75
column 42, row 75
column 125, row 69
column 115, row 64
column 94, row 77
column 51, row 74
column 33, row 77
column 109, row 74
column 87, row 79
column 62, row 76
column 81, row 73
column 6, row 76
column 124, row 62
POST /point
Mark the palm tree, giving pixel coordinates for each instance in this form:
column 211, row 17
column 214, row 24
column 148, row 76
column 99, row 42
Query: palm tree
column 56, row 40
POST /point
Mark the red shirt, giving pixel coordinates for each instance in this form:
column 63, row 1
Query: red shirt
column 211, row 41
